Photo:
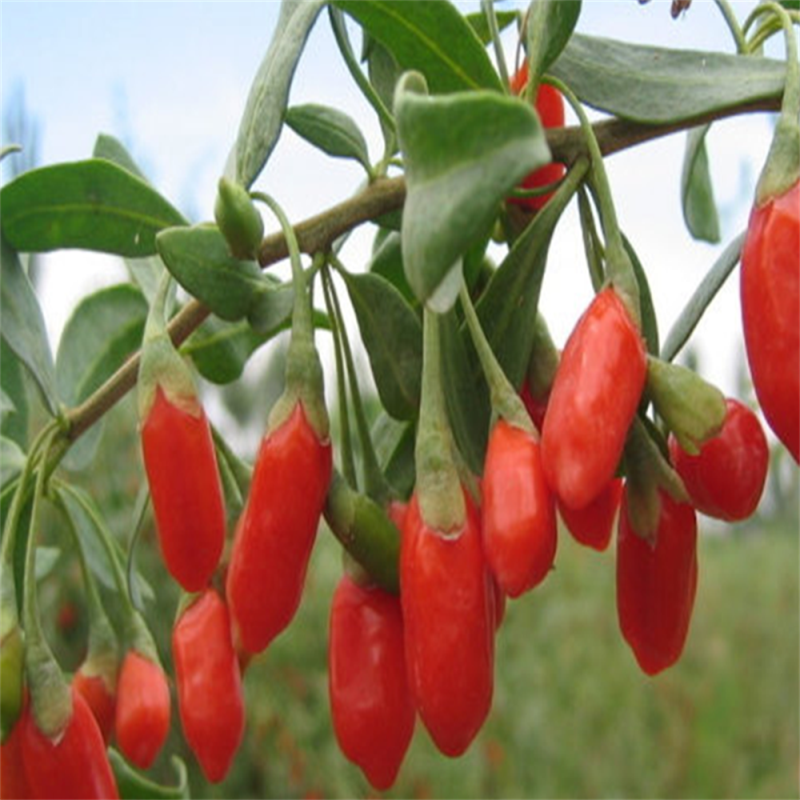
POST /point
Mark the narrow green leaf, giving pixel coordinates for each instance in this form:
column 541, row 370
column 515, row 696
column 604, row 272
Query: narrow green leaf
column 263, row 115
column 387, row 261
column 463, row 154
column 550, row 25
column 392, row 335
column 647, row 308
column 430, row 37
column 200, row 260
column 383, row 72
column 507, row 308
column 221, row 349
column 478, row 23
column 14, row 424
column 697, row 193
column 12, row 461
column 658, row 85
column 133, row 785
column 92, row 205
column 272, row 308
column 113, row 150
column 394, row 446
column 23, row 324
column 331, row 130
column 701, row 299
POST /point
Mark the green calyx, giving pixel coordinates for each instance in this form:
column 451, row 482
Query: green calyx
column 12, row 654
column 648, row 470
column 438, row 487
column 365, row 531
column 238, row 219
column 51, row 697
column 691, row 408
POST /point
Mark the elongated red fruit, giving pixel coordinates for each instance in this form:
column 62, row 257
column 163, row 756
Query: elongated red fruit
column 371, row 705
column 277, row 531
column 519, row 522
column 75, row 764
column 726, row 478
column 770, row 294
column 13, row 780
column 449, row 619
column 100, row 700
column 592, row 525
column 656, row 584
column 185, row 488
column 597, row 388
column 209, row 684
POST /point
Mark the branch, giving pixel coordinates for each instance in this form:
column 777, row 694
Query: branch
column 381, row 197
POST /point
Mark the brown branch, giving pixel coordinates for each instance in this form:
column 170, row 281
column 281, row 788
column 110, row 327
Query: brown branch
column 382, row 197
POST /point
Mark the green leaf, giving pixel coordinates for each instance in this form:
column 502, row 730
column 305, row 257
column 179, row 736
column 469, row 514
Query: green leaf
column 463, row 155
column 701, row 299
column 23, row 324
column 113, row 150
column 394, row 446
column 383, row 73
column 392, row 334
column 550, row 25
column 93, row 205
column 221, row 349
column 658, row 85
column 272, row 309
column 104, row 330
column 12, row 381
column 507, row 308
column 477, row 21
column 697, row 193
column 200, row 260
column 331, row 130
column 387, row 261
column 133, row 785
column 430, row 37
column 263, row 115
column 12, row 461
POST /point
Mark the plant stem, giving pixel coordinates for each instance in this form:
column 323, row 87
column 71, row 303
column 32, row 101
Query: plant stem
column 499, row 56
column 733, row 24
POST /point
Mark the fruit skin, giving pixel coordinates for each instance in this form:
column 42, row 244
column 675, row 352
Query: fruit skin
column 449, row 617
column 209, row 684
column 519, row 521
column 656, row 585
column 726, row 479
column 13, row 780
column 141, row 722
column 550, row 107
column 277, row 531
column 74, row 766
column 770, row 296
column 594, row 398
column 371, row 705
column 592, row 525
column 100, row 700
column 185, row 488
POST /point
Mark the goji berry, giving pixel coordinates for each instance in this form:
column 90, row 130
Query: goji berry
column 592, row 524
column 100, row 698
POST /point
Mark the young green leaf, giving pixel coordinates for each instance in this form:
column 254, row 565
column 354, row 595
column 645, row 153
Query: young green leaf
column 392, row 334
column 23, row 324
column 271, row 309
column 200, row 260
column 14, row 423
column 394, row 445
column 648, row 311
column 263, row 115
column 478, row 23
column 387, row 261
column 331, row 130
column 92, row 205
column 658, row 85
column 430, row 37
column 383, row 72
column 697, row 193
column 113, row 150
column 550, row 25
column 463, row 155
column 12, row 460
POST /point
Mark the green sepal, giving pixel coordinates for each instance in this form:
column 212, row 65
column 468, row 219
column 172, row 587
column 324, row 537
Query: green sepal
column 692, row 409
column 782, row 168
column 12, row 654
column 648, row 470
column 365, row 531
column 238, row 219
column 51, row 696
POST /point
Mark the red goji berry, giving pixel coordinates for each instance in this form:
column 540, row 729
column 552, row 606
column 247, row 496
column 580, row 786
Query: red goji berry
column 770, row 296
column 277, row 530
column 446, row 594
column 519, row 522
column 100, row 699
column 656, row 584
column 595, row 395
column 141, row 722
column 209, row 684
column 13, row 780
column 185, row 488
column 592, row 524
column 371, row 705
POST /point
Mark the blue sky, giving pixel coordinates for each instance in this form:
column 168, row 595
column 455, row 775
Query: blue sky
column 171, row 79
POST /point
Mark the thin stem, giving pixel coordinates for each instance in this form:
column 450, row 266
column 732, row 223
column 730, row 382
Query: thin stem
column 591, row 241
column 733, row 24
column 499, row 56
column 343, row 41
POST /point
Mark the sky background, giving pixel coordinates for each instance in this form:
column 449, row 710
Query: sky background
column 171, row 80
